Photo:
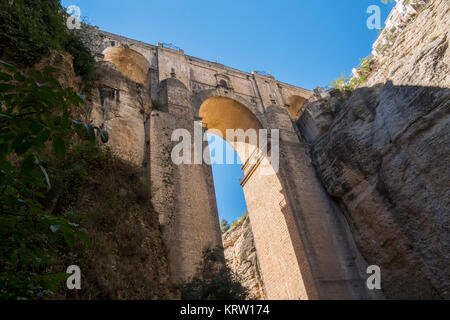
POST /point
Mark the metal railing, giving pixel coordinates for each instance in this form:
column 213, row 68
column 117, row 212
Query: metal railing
column 170, row 46
column 263, row 73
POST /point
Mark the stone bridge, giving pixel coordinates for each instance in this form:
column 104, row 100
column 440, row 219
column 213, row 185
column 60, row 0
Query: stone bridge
column 303, row 242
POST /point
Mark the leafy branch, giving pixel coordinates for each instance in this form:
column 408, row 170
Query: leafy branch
column 34, row 114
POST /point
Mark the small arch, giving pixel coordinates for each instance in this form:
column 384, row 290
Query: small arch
column 223, row 84
column 174, row 82
column 295, row 105
column 264, row 194
column 173, row 91
column 130, row 63
column 200, row 97
column 220, row 114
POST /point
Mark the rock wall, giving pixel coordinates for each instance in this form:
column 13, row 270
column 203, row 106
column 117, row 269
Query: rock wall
column 142, row 110
column 385, row 158
column 240, row 253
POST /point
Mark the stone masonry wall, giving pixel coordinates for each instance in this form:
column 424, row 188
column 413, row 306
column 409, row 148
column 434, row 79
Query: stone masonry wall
column 308, row 252
column 385, row 160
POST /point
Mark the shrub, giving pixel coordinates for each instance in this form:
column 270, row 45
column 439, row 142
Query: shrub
column 240, row 220
column 34, row 114
column 30, row 28
column 347, row 84
column 34, row 111
column 213, row 280
column 224, row 226
column 83, row 62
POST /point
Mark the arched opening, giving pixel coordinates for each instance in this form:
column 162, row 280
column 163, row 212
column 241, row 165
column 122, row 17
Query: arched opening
column 220, row 114
column 130, row 63
column 296, row 105
column 229, row 194
column 223, row 84
column 264, row 195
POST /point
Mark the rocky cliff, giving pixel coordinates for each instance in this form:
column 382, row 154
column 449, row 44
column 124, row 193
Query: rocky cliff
column 103, row 191
column 240, row 253
column 383, row 154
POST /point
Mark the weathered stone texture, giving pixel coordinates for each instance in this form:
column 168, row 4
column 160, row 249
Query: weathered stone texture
column 305, row 248
column 385, row 159
column 242, row 258
column 121, row 106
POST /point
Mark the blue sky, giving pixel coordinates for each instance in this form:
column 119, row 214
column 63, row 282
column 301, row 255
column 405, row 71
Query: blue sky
column 229, row 195
column 303, row 42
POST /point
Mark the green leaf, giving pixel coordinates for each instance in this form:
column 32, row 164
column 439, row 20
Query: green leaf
column 28, row 165
column 36, row 74
column 90, row 131
column 104, row 135
column 6, row 87
column 54, row 82
column 59, row 147
column 69, row 236
column 5, row 77
column 44, row 136
column 49, row 69
column 84, row 237
column 23, row 147
column 3, row 150
column 78, row 125
column 19, row 77
column 8, row 66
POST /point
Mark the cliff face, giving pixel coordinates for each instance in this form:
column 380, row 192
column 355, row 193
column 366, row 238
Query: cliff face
column 128, row 257
column 384, row 157
column 240, row 253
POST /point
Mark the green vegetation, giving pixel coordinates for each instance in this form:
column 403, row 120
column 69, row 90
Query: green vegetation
column 214, row 280
column 83, row 62
column 106, row 197
column 326, row 107
column 434, row 38
column 66, row 200
column 347, row 84
column 240, row 220
column 388, row 42
column 224, row 226
column 30, row 28
column 35, row 111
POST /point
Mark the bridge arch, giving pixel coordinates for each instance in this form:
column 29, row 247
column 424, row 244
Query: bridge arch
column 199, row 98
column 269, row 210
column 295, row 104
column 130, row 63
column 221, row 114
column 309, row 252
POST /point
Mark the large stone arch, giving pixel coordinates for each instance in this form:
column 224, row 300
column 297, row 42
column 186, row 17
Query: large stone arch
column 130, row 63
column 269, row 210
column 314, row 240
column 295, row 104
column 305, row 250
column 200, row 97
